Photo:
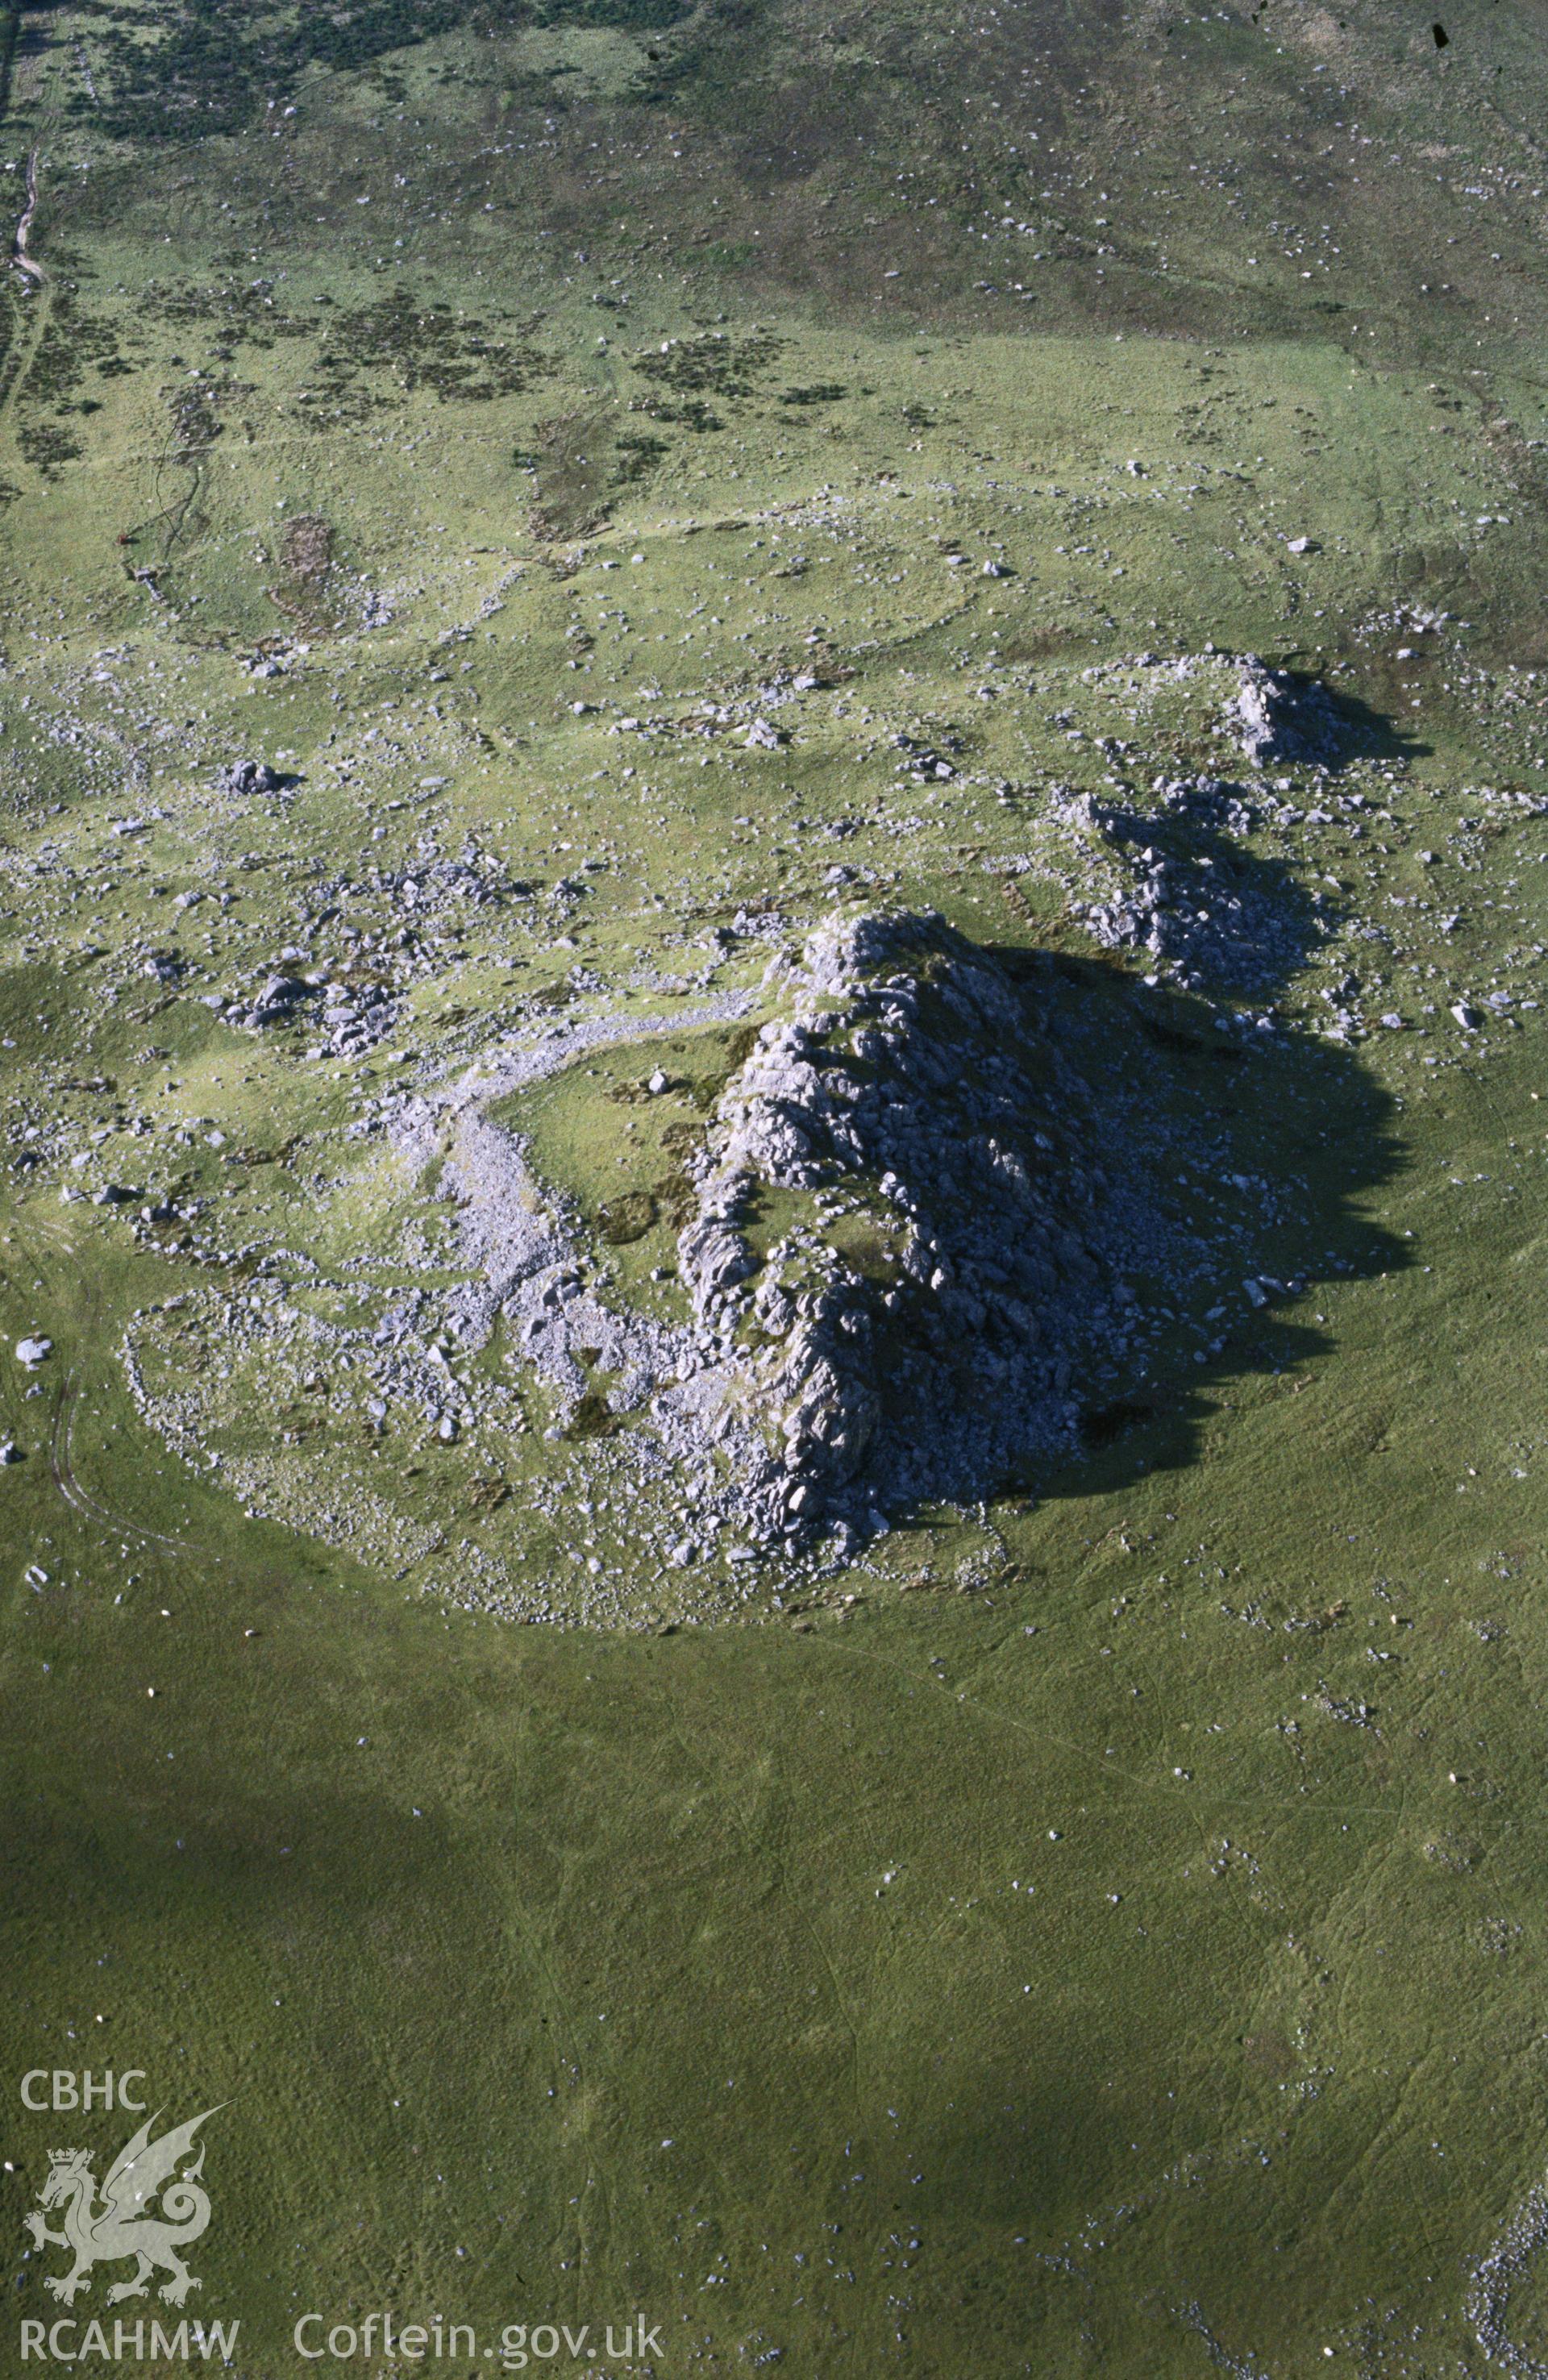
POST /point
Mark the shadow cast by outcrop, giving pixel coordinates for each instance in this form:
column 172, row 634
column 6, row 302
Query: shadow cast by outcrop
column 1286, row 716
column 1255, row 1152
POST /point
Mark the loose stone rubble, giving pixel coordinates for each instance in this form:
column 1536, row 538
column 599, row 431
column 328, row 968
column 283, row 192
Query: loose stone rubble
column 354, row 1018
column 1495, row 2276
column 1191, row 900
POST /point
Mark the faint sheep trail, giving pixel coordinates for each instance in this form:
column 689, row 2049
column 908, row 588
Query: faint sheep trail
column 69, row 1486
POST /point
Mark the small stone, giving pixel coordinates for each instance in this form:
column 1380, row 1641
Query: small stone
column 32, row 1352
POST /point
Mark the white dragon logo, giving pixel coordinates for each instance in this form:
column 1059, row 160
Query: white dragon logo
column 120, row 2226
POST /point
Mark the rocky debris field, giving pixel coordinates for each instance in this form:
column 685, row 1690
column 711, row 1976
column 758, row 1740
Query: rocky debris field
column 352, row 1018
column 1192, row 896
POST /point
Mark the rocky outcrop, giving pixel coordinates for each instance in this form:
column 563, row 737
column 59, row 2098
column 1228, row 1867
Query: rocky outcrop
column 249, row 777
column 903, row 1266
column 1278, row 718
column 894, row 1237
